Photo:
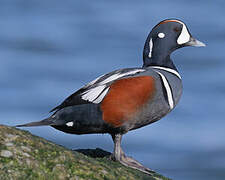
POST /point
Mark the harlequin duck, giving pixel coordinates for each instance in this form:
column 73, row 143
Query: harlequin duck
column 130, row 98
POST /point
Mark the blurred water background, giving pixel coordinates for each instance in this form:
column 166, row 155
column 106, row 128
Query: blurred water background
column 49, row 49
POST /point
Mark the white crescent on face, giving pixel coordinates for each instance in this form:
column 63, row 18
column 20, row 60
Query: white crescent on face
column 184, row 36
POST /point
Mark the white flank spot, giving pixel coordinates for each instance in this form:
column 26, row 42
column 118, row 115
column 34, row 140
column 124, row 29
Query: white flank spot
column 168, row 90
column 184, row 35
column 150, row 48
column 118, row 75
column 93, row 93
column 69, row 124
column 167, row 69
column 100, row 98
column 161, row 35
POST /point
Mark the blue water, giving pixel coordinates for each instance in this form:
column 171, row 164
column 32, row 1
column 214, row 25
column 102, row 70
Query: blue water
column 49, row 49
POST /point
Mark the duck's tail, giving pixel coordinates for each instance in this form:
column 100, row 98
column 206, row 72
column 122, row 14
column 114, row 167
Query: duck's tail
column 44, row 122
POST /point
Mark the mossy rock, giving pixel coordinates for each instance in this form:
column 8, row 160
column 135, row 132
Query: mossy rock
column 25, row 156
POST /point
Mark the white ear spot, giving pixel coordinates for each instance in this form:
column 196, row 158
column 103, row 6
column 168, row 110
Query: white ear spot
column 184, row 35
column 161, row 35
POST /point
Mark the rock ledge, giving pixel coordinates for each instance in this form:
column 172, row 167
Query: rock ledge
column 25, row 156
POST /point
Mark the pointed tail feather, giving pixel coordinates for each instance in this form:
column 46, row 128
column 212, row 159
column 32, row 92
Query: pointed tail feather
column 44, row 122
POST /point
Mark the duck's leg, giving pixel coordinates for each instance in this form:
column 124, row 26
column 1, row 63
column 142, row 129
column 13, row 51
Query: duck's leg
column 119, row 155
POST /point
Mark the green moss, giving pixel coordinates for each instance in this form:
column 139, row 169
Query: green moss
column 35, row 158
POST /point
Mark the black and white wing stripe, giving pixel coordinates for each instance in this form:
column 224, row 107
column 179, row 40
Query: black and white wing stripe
column 95, row 91
column 96, row 94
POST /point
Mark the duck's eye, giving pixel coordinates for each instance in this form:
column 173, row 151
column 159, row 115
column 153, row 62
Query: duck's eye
column 161, row 35
column 176, row 29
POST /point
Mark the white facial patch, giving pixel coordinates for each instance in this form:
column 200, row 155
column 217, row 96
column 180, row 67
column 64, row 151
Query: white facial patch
column 184, row 35
column 150, row 48
column 161, row 35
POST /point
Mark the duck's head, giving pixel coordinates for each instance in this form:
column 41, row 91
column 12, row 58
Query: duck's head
column 167, row 36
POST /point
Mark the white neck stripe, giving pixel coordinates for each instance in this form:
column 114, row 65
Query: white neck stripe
column 168, row 90
column 168, row 70
column 150, row 48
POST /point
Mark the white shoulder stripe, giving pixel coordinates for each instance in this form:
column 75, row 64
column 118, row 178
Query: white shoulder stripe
column 110, row 78
column 119, row 75
column 168, row 90
column 167, row 69
column 94, row 81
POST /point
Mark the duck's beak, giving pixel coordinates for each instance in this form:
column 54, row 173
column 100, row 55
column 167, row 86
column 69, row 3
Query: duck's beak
column 194, row 42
